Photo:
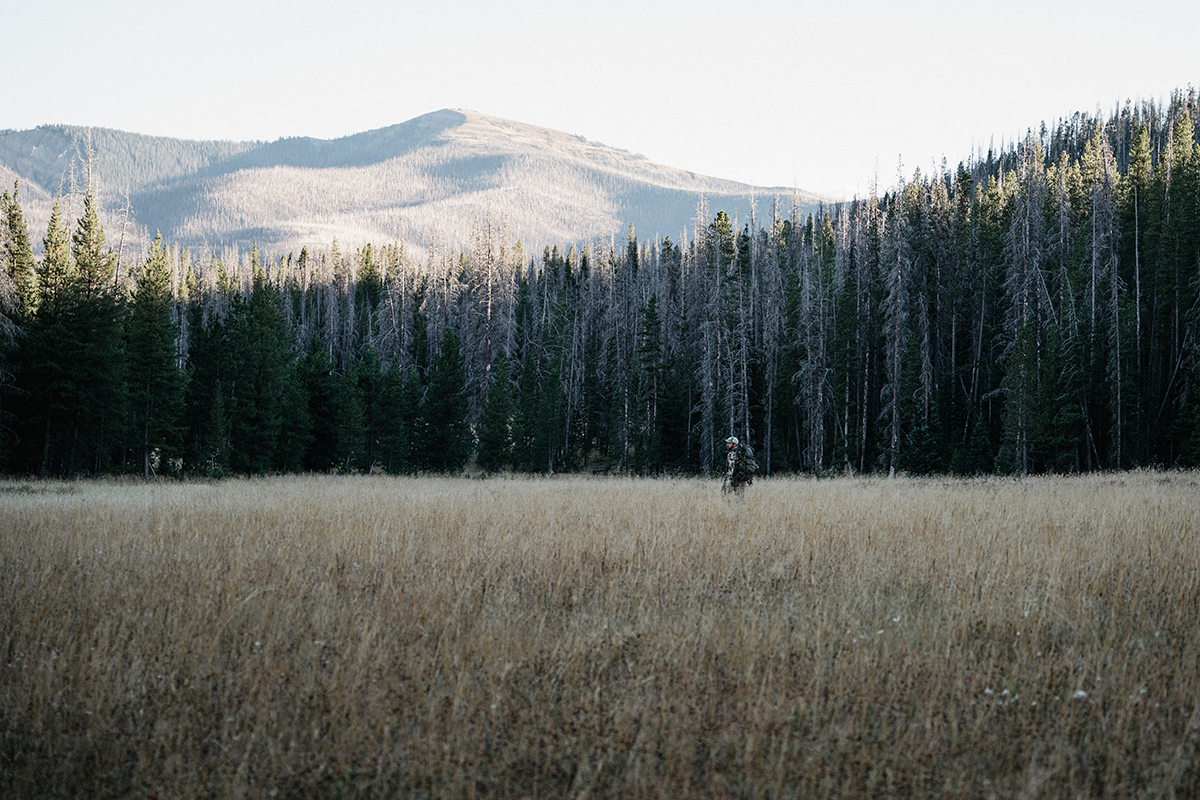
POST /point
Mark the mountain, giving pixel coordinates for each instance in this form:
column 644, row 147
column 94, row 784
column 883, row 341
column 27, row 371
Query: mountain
column 433, row 176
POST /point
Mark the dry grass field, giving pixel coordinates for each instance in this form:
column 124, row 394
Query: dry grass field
column 300, row 637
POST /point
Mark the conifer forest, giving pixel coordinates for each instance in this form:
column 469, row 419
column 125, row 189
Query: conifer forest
column 1034, row 309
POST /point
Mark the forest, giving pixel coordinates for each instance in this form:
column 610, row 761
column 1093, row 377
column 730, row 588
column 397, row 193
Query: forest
column 1032, row 310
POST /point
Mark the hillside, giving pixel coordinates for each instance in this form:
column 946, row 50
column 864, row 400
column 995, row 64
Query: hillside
column 434, row 175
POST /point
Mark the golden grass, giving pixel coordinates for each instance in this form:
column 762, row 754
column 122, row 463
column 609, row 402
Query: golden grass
column 600, row 637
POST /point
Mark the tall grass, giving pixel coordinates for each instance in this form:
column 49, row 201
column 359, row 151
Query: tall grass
column 575, row 637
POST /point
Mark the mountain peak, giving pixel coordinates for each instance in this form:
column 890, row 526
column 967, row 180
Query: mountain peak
column 433, row 175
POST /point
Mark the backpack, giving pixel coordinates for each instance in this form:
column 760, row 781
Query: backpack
column 751, row 466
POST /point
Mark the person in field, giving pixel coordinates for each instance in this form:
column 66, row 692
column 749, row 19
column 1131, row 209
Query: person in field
column 740, row 466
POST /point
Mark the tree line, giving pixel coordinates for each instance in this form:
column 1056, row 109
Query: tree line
column 1033, row 310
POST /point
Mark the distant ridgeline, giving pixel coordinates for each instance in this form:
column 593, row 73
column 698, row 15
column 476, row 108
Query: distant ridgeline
column 1037, row 309
column 423, row 182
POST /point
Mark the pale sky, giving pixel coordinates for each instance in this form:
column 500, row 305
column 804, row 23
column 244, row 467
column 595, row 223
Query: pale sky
column 820, row 96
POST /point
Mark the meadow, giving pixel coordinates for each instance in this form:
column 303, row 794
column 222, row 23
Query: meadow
column 596, row 637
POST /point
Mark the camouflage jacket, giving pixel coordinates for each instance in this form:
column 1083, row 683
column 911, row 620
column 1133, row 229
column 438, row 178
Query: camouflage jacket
column 740, row 466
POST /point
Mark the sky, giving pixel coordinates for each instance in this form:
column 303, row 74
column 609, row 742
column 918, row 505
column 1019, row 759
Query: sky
column 832, row 97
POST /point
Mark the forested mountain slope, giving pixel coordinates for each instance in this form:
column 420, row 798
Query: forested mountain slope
column 1033, row 309
column 431, row 177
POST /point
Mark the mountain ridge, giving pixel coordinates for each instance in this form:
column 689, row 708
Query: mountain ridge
column 431, row 177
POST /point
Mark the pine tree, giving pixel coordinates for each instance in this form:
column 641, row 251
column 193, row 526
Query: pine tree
column 155, row 383
column 446, row 442
column 16, row 299
column 1179, row 268
column 399, row 403
column 1028, row 305
column 898, row 261
column 258, row 377
column 209, row 364
column 495, row 434
column 73, row 362
column 367, row 380
column 1135, row 191
column 95, row 262
column 320, row 388
column 100, row 316
column 650, row 380
column 295, row 428
column 19, row 262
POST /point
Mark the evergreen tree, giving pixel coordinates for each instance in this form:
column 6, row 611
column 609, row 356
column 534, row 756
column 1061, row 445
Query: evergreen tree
column 19, row 263
column 649, row 457
column 155, row 383
column 1028, row 310
column 206, row 422
column 295, row 430
column 1136, row 192
column 99, row 315
column 16, row 295
column 367, row 380
column 73, row 361
column 899, row 264
column 258, row 377
column 495, row 434
column 95, row 262
column 446, row 442
column 320, row 387
column 399, row 404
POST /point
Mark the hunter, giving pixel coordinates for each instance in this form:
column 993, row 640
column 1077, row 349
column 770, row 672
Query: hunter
column 740, row 466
